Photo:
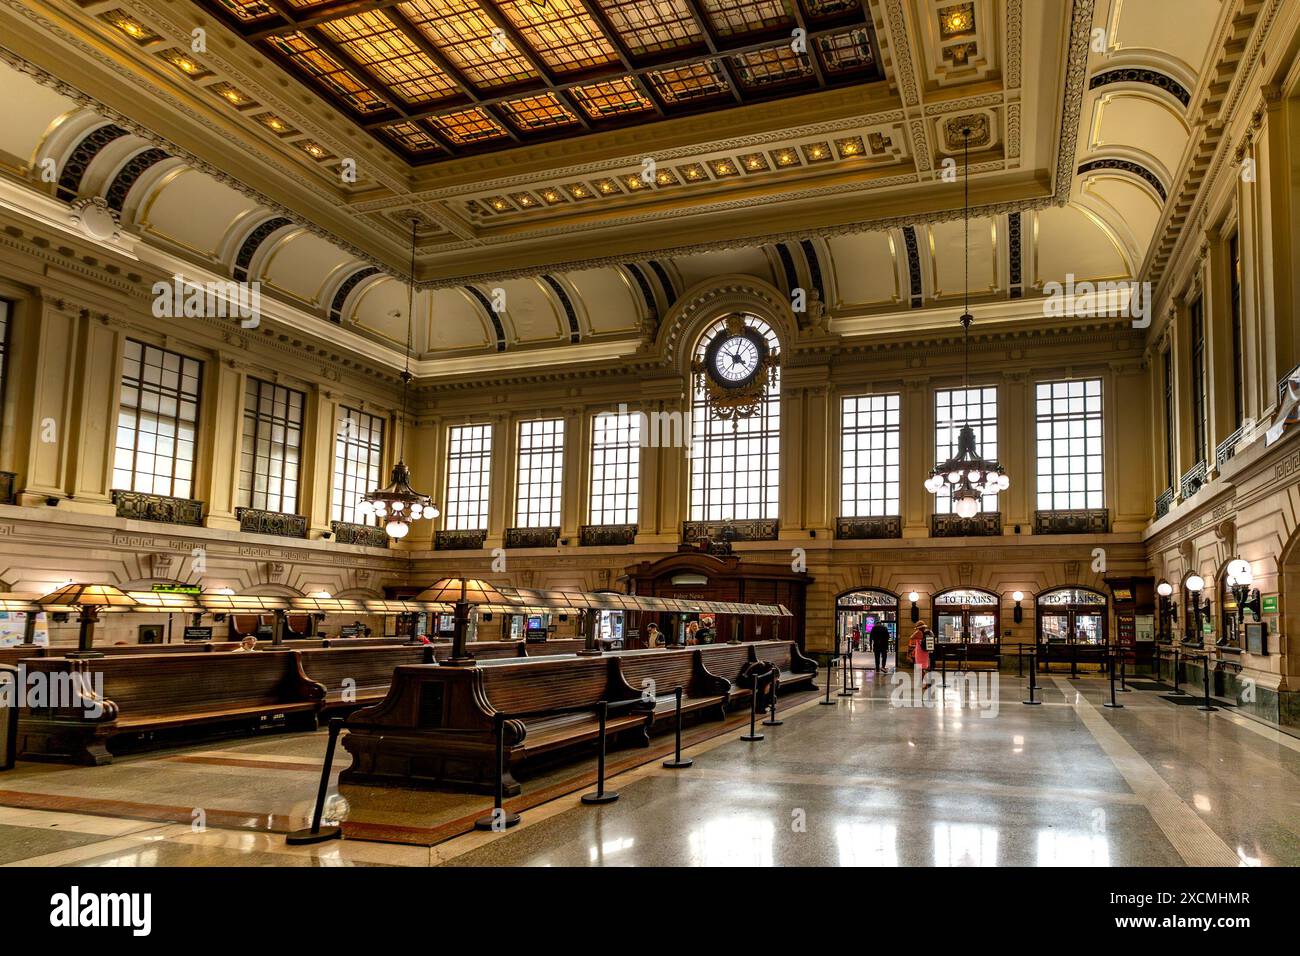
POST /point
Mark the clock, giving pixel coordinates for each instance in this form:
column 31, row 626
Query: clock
column 735, row 357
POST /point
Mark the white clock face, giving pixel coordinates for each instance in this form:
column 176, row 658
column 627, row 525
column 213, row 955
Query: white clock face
column 736, row 359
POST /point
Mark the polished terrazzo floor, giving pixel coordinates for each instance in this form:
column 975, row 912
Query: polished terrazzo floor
column 863, row 782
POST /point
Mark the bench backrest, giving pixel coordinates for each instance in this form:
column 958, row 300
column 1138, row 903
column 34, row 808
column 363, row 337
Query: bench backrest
column 368, row 666
column 12, row 655
column 541, row 685
column 563, row 645
column 726, row 660
column 184, row 683
column 668, row 670
column 777, row 653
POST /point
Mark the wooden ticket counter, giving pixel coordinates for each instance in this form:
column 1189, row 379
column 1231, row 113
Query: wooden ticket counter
column 694, row 575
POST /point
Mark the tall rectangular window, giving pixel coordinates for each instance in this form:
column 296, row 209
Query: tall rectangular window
column 358, row 454
column 1238, row 332
column 1200, row 398
column 953, row 408
column 469, row 477
column 1069, row 445
column 615, row 469
column 1171, row 473
column 539, row 483
column 269, row 457
column 157, row 421
column 869, row 436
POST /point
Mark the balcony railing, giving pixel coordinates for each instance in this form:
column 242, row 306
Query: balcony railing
column 470, row 540
column 869, row 528
column 983, row 525
column 1164, row 502
column 1192, row 481
column 142, row 507
column 532, row 537
column 272, row 522
column 607, row 535
column 757, row 529
column 345, row 532
column 1228, row 447
column 1074, row 521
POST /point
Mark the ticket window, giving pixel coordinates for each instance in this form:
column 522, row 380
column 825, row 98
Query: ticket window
column 1072, row 616
column 949, row 627
column 966, row 615
column 983, row 627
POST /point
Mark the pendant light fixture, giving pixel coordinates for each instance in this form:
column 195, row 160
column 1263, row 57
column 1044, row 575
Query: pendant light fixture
column 968, row 476
column 398, row 504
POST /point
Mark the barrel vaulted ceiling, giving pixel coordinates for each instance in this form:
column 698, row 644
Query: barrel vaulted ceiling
column 515, row 134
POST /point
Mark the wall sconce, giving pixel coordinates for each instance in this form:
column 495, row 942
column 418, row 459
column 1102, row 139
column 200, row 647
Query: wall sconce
column 1240, row 579
column 1018, row 614
column 1168, row 609
column 1195, row 584
column 914, row 597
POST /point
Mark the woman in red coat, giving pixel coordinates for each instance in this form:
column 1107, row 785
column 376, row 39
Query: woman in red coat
column 920, row 657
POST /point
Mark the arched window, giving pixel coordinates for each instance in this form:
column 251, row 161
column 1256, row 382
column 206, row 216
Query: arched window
column 735, row 463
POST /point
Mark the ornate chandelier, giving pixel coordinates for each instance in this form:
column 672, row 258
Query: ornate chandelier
column 968, row 476
column 397, row 504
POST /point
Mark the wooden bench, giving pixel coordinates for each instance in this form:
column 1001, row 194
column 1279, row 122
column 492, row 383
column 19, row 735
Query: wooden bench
column 143, row 694
column 793, row 668
column 657, row 676
column 368, row 669
column 734, row 663
column 436, row 726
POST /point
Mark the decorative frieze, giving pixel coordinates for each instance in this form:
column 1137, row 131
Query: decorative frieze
column 862, row 529
column 459, row 540
column 139, row 506
column 272, row 522
column 532, row 537
column 1078, row 521
column 598, row 535
column 345, row 532
column 986, row 524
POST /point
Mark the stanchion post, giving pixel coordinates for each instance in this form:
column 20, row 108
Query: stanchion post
column 499, row 818
column 677, row 763
column 1177, row 689
column 1123, row 674
column 317, row 833
column 1111, row 669
column 1033, row 679
column 772, row 720
column 600, row 796
column 1020, row 660
column 845, row 663
column 1205, row 671
column 753, row 712
column 830, row 664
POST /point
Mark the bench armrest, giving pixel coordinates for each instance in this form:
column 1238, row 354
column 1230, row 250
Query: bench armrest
column 800, row 663
column 708, row 682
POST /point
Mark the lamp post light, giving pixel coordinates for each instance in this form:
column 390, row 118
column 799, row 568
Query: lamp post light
column 461, row 593
column 1168, row 610
column 1018, row 614
column 1240, row 579
column 914, row 597
column 1195, row 584
column 89, row 600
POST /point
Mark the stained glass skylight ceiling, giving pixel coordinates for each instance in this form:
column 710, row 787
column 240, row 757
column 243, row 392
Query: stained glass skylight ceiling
column 436, row 79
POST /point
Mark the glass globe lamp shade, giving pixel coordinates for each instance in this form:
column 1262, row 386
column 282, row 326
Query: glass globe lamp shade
column 1196, row 584
column 1017, row 596
column 1239, row 572
column 913, row 596
column 1164, row 589
column 966, row 505
column 397, row 528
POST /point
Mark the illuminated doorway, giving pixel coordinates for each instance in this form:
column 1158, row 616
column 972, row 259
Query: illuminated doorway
column 856, row 613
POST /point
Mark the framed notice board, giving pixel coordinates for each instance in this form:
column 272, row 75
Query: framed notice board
column 1257, row 638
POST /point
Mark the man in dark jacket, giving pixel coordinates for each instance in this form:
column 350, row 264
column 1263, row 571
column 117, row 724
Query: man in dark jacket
column 880, row 644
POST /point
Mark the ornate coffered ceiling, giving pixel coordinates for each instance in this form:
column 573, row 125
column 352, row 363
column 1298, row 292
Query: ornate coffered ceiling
column 526, row 134
column 572, row 243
